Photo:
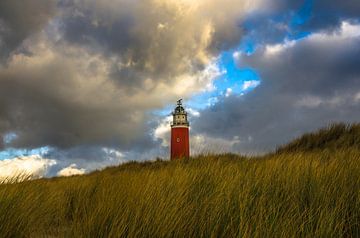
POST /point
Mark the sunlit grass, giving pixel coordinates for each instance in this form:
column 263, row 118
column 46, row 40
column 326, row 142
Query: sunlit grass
column 285, row 194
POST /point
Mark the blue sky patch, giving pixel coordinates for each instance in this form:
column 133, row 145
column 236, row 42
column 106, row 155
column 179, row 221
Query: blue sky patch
column 11, row 153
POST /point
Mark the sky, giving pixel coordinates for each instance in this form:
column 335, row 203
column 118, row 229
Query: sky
column 86, row 84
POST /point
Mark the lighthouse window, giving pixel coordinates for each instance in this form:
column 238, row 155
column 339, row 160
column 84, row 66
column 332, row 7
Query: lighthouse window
column 177, row 139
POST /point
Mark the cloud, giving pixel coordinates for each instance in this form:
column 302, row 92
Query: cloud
column 19, row 20
column 278, row 20
column 305, row 85
column 34, row 166
column 203, row 144
column 70, row 171
column 331, row 14
column 250, row 84
column 174, row 39
column 319, row 14
column 2, row 141
column 228, row 92
column 57, row 99
column 90, row 72
column 87, row 157
column 162, row 131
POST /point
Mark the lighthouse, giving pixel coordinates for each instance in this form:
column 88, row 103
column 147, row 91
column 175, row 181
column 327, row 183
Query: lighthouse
column 179, row 133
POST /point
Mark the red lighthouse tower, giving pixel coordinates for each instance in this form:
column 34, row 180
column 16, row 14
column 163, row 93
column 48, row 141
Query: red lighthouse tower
column 179, row 133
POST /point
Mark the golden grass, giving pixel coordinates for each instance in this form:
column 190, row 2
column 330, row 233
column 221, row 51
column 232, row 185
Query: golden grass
column 302, row 194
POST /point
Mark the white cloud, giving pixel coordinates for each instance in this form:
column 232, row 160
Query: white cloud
column 271, row 50
column 309, row 101
column 315, row 101
column 162, row 131
column 228, row 92
column 113, row 154
column 357, row 97
column 70, row 171
column 350, row 30
column 250, row 84
column 212, row 101
column 34, row 166
column 187, row 84
column 193, row 112
column 347, row 31
column 200, row 144
column 237, row 55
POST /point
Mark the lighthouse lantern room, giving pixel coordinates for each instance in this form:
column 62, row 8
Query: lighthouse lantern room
column 179, row 133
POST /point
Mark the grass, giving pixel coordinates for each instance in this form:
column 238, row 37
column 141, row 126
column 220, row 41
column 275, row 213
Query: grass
column 290, row 193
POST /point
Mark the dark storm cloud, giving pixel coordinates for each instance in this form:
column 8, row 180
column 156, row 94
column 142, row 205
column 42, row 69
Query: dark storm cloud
column 331, row 13
column 305, row 85
column 91, row 78
column 320, row 12
column 303, row 88
column 21, row 18
column 155, row 39
column 86, row 157
column 1, row 142
column 53, row 108
column 287, row 19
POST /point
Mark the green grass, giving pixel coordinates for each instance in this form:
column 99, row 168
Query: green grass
column 299, row 192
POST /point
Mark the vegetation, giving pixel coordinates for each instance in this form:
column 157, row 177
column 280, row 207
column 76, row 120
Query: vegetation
column 335, row 137
column 310, row 188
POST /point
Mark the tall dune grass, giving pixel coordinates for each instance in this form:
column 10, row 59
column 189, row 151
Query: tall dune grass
column 300, row 194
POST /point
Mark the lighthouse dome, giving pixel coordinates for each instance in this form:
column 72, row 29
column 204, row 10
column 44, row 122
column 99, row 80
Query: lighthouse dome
column 179, row 109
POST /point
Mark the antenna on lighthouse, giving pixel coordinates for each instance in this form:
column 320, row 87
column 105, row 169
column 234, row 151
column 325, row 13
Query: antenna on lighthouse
column 179, row 102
